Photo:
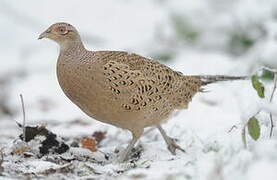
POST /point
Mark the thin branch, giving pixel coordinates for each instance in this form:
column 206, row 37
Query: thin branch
column 1, row 156
column 1, row 161
column 243, row 136
column 270, row 100
column 274, row 87
column 24, row 118
column 267, row 69
column 232, row 128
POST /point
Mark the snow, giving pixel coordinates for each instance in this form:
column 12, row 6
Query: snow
column 209, row 131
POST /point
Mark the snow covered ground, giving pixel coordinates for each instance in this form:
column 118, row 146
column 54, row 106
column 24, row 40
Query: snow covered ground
column 215, row 37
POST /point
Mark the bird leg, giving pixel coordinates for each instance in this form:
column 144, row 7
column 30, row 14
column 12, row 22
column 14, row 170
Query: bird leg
column 124, row 156
column 171, row 144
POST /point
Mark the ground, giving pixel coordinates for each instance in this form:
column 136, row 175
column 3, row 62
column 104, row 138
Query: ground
column 231, row 38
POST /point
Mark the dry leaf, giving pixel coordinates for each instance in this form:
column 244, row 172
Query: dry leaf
column 99, row 136
column 89, row 143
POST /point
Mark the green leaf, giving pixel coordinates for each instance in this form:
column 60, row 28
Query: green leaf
column 267, row 75
column 254, row 129
column 258, row 86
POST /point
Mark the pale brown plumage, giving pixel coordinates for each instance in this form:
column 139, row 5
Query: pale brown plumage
column 126, row 90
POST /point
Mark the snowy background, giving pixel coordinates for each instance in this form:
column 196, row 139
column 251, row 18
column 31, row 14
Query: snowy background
column 195, row 37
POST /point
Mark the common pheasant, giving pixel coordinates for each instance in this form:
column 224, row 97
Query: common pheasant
column 120, row 88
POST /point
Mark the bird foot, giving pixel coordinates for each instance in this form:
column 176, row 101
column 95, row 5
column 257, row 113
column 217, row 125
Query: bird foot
column 124, row 156
column 172, row 146
column 133, row 155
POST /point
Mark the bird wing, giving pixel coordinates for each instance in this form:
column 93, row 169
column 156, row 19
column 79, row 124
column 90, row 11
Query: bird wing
column 139, row 82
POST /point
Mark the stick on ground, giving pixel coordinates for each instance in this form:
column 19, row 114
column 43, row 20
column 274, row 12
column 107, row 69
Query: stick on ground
column 24, row 118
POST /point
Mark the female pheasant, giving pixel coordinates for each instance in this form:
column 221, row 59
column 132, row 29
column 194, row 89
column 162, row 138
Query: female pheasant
column 120, row 88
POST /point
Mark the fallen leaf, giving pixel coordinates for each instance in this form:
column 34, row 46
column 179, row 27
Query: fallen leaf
column 89, row 143
column 99, row 136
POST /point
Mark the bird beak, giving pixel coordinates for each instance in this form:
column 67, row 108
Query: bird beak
column 43, row 35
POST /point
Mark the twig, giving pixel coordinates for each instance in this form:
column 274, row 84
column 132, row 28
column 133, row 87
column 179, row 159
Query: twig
column 233, row 127
column 243, row 136
column 1, row 161
column 24, row 118
column 270, row 100
column 266, row 68
column 257, row 113
column 274, row 87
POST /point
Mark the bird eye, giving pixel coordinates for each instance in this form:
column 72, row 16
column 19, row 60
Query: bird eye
column 62, row 30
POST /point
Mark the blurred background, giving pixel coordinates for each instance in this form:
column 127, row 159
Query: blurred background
column 195, row 37
column 192, row 36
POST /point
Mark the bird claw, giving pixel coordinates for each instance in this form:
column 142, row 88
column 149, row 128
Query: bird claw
column 172, row 146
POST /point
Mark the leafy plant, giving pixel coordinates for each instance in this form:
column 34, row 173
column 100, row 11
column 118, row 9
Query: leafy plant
column 253, row 126
column 254, row 129
column 267, row 75
column 258, row 86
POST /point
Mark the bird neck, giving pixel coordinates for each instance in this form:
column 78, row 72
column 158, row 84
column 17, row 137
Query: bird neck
column 72, row 47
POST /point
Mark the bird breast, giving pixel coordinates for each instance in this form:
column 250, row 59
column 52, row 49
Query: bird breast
column 83, row 84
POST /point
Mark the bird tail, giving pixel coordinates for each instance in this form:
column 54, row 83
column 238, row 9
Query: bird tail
column 209, row 79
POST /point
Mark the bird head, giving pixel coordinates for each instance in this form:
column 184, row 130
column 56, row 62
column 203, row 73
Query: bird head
column 61, row 33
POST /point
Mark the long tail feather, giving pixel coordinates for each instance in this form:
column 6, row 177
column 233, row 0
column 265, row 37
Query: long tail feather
column 208, row 79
